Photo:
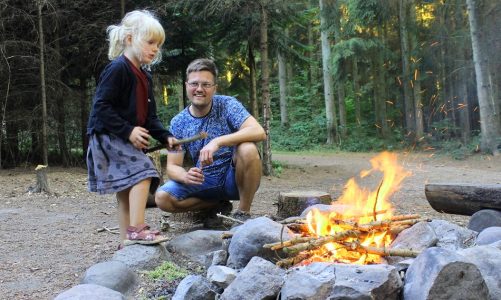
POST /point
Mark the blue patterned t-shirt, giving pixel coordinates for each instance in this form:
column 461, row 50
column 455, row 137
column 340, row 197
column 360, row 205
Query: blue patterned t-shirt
column 226, row 116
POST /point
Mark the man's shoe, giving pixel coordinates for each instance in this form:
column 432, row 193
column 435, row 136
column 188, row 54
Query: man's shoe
column 212, row 220
column 240, row 215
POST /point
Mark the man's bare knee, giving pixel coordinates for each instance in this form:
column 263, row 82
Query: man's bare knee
column 247, row 152
column 165, row 201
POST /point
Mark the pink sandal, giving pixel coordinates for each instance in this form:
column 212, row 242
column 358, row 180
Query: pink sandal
column 142, row 234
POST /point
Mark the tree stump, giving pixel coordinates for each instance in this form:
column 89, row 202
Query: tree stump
column 463, row 199
column 42, row 183
column 293, row 203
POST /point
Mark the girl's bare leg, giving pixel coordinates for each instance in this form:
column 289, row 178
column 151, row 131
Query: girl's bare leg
column 123, row 212
column 138, row 196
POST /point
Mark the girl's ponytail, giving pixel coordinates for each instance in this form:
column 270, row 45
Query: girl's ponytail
column 116, row 38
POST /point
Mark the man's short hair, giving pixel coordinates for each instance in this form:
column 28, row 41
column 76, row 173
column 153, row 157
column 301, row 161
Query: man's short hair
column 202, row 64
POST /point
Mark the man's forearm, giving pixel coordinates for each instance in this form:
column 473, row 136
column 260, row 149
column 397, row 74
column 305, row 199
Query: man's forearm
column 249, row 134
column 176, row 173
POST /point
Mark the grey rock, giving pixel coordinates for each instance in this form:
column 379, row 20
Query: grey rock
column 438, row 273
column 219, row 258
column 485, row 218
column 89, row 291
column 340, row 281
column 195, row 287
column 111, row 274
column 418, row 238
column 260, row 279
column 221, row 276
column 196, row 245
column 451, row 236
column 141, row 257
column 488, row 261
column 489, row 235
column 249, row 238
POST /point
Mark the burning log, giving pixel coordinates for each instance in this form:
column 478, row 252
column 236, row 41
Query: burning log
column 463, row 199
column 288, row 243
column 355, row 246
column 291, row 261
column 319, row 242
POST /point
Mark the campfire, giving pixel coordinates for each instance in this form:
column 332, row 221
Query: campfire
column 359, row 227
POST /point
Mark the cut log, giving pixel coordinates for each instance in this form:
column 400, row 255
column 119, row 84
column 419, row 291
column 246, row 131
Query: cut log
column 293, row 203
column 463, row 199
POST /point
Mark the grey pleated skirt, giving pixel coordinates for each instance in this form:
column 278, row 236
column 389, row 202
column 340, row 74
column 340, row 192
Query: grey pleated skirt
column 115, row 165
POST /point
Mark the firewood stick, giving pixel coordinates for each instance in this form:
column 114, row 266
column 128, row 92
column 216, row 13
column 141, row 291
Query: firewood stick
column 318, row 242
column 397, row 229
column 110, row 230
column 229, row 218
column 226, row 235
column 355, row 246
column 293, row 241
column 293, row 220
column 405, row 217
column 291, row 261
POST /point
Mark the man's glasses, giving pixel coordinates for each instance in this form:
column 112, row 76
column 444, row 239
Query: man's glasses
column 205, row 85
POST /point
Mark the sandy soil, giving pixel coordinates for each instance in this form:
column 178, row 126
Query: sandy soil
column 48, row 241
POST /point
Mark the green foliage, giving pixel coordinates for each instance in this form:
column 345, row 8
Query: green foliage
column 167, row 271
column 277, row 168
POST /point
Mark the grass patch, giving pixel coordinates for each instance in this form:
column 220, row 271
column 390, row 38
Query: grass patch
column 167, row 271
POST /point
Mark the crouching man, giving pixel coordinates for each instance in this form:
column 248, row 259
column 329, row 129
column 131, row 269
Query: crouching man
column 227, row 162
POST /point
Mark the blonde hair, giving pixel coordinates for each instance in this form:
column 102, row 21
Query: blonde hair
column 142, row 25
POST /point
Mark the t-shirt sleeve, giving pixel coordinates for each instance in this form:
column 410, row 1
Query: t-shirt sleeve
column 236, row 114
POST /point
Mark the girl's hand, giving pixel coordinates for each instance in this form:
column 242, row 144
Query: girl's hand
column 194, row 176
column 172, row 144
column 139, row 137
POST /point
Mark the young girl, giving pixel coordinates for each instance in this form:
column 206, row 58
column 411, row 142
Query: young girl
column 122, row 120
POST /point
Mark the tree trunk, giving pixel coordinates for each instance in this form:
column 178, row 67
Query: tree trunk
column 4, row 106
column 330, row 108
column 253, row 82
column 490, row 124
column 60, row 109
column 265, row 89
column 416, row 76
column 282, row 82
column 356, row 92
column 404, row 44
column 84, row 115
column 311, row 56
column 45, row 156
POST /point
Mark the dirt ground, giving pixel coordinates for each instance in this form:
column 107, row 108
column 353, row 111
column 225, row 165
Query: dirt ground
column 47, row 242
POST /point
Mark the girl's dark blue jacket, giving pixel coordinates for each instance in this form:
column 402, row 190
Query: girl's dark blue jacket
column 114, row 104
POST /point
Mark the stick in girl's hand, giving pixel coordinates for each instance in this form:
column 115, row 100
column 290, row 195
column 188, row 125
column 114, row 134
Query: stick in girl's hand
column 201, row 135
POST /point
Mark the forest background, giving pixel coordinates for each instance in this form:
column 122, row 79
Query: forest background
column 353, row 75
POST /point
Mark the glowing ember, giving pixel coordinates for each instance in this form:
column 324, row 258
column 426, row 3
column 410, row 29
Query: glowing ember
column 368, row 213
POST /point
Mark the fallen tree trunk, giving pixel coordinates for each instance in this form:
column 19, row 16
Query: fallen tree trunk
column 463, row 199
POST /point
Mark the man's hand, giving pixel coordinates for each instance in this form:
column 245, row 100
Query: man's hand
column 206, row 156
column 139, row 137
column 194, row 176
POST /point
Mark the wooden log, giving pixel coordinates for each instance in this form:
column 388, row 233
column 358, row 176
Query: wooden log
column 293, row 203
column 463, row 199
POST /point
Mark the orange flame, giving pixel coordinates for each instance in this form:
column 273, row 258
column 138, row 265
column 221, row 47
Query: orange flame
column 359, row 206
